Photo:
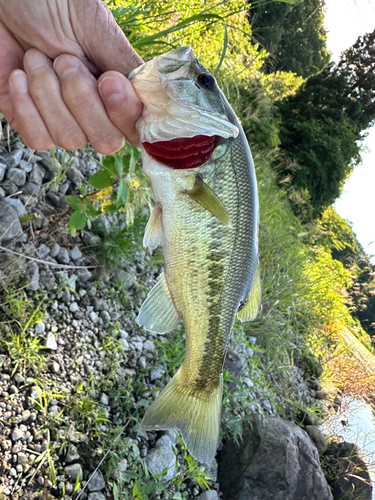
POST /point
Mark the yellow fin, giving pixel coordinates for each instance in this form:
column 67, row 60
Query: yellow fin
column 195, row 414
column 158, row 313
column 250, row 309
column 152, row 237
column 205, row 196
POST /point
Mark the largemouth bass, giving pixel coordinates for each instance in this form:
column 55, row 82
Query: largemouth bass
column 196, row 155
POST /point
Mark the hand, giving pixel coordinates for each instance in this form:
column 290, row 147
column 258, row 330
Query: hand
column 50, row 53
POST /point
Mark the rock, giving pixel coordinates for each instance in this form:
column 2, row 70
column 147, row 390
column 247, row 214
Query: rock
column 157, row 372
column 31, row 188
column 349, row 474
column 21, row 458
column 13, row 158
column 2, row 193
column 72, row 454
column 208, row 495
column 73, row 471
column 105, row 317
column 74, row 175
column 3, row 168
column 25, row 166
column 317, row 438
column 75, row 253
column 17, row 205
column 9, row 187
column 124, row 343
column 320, row 394
column 17, row 434
column 120, row 468
column 162, row 458
column 90, row 239
column 47, row 279
column 51, row 341
column 96, row 495
column 99, row 304
column 55, row 249
column 40, row 328
column 10, row 226
column 57, row 200
column 17, row 176
column 74, row 307
column 32, row 274
column 275, row 461
column 37, row 175
column 83, row 275
column 43, row 251
column 96, row 481
column 63, row 256
column 94, row 317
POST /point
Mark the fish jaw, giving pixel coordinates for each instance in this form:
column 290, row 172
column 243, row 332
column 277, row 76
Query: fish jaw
column 175, row 106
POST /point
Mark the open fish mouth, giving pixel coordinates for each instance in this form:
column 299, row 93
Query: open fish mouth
column 183, row 153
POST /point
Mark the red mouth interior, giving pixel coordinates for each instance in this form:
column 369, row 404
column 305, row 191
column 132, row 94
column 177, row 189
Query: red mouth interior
column 182, row 153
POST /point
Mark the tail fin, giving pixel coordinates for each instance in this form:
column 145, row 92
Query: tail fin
column 196, row 415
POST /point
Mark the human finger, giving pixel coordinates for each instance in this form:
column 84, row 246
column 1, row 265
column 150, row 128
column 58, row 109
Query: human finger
column 80, row 93
column 45, row 89
column 122, row 103
column 26, row 117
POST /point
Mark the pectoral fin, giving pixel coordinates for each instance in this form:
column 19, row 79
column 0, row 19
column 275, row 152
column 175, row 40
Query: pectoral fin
column 250, row 309
column 205, row 196
column 158, row 313
column 152, row 237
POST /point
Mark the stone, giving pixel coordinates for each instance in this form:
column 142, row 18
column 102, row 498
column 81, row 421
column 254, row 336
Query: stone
column 94, row 317
column 275, row 460
column 75, row 253
column 32, row 274
column 47, row 279
column 96, row 481
column 43, row 251
column 74, row 307
column 157, row 372
column 25, row 166
column 99, row 304
column 40, row 328
column 9, row 187
column 162, row 458
column 2, row 193
column 37, row 175
column 21, row 458
column 51, row 341
column 55, row 249
column 120, row 468
column 10, row 226
column 17, row 205
column 17, row 434
column 72, row 454
column 57, row 200
column 74, row 175
column 105, row 317
column 124, row 343
column 3, row 168
column 17, row 176
column 13, row 158
column 90, row 239
column 95, row 495
column 83, row 275
column 317, row 438
column 31, row 188
column 209, row 495
column 73, row 471
column 349, row 474
column 63, row 256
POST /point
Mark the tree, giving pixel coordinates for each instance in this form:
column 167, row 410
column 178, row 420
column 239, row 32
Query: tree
column 294, row 35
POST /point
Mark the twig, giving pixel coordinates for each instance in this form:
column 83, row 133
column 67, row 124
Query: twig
column 52, row 264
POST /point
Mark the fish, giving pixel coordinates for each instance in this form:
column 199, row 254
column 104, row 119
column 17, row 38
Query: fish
column 206, row 218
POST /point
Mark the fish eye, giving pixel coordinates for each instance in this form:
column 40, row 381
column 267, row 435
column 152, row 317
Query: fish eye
column 206, row 80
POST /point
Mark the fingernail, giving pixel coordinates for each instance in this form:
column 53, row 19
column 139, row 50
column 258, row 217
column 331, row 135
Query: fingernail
column 112, row 88
column 64, row 65
column 19, row 81
column 35, row 59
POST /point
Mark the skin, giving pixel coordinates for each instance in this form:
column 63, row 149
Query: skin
column 62, row 66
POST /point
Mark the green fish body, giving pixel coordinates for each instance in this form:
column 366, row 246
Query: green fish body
column 206, row 219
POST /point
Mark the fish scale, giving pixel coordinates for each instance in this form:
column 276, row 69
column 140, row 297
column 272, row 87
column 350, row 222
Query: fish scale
column 206, row 219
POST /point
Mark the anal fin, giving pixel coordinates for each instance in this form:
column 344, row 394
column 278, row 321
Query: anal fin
column 250, row 309
column 158, row 313
column 153, row 231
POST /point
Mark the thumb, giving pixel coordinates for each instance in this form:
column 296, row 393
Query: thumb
column 104, row 43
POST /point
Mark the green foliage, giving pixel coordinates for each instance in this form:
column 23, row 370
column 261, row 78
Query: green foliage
column 294, row 35
column 119, row 185
column 316, row 133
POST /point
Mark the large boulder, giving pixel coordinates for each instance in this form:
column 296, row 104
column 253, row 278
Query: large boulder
column 276, row 460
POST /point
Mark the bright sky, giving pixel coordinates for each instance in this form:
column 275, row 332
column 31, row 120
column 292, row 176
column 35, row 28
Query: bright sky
column 345, row 20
